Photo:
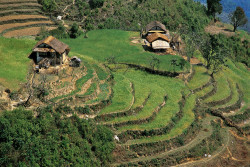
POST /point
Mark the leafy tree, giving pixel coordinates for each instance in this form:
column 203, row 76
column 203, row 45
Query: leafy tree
column 214, row 7
column 215, row 52
column 48, row 5
column 74, row 31
column 238, row 18
column 154, row 62
column 96, row 3
column 60, row 32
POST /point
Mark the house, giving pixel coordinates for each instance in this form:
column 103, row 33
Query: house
column 50, row 50
column 158, row 41
column 155, row 27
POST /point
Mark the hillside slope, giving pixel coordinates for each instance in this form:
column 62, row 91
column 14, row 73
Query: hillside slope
column 22, row 18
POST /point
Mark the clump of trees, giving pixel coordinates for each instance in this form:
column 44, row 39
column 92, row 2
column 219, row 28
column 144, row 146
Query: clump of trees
column 51, row 139
column 238, row 18
column 61, row 32
column 214, row 7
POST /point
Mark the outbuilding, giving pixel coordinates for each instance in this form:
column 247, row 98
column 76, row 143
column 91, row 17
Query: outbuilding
column 51, row 49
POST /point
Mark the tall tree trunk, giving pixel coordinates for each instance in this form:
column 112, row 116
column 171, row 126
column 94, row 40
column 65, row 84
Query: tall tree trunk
column 235, row 27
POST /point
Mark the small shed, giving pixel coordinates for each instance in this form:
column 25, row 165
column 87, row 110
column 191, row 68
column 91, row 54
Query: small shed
column 52, row 49
column 159, row 41
column 155, row 27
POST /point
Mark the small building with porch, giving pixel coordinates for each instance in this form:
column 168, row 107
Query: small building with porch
column 158, row 41
column 50, row 50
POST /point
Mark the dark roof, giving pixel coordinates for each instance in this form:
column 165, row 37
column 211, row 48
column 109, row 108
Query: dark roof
column 57, row 45
column 155, row 36
column 154, row 24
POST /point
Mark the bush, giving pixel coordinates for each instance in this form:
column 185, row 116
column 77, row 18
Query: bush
column 52, row 140
column 96, row 3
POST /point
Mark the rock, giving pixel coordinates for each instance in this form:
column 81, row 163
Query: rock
column 116, row 138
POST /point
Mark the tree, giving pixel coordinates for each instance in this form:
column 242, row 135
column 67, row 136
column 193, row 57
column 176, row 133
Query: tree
column 74, row 31
column 214, row 52
column 214, row 7
column 238, row 18
column 154, row 62
column 96, row 3
column 48, row 5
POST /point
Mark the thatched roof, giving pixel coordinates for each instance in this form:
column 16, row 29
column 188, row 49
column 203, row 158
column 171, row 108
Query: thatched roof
column 155, row 36
column 154, row 24
column 54, row 43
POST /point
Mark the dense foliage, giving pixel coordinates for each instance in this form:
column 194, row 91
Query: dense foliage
column 52, row 140
column 214, row 7
column 135, row 14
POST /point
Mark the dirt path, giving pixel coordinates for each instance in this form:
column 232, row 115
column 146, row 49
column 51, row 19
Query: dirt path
column 68, row 6
column 202, row 135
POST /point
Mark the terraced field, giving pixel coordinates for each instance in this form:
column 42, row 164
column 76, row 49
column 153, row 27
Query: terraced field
column 22, row 18
column 160, row 118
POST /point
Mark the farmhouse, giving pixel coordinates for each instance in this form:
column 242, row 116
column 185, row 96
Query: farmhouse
column 158, row 41
column 50, row 51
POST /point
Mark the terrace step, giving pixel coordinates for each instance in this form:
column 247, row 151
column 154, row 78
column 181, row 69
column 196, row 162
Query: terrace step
column 20, row 6
column 212, row 103
column 26, row 32
column 126, row 135
column 109, row 116
column 234, row 103
column 17, row 1
column 139, row 121
column 169, row 150
column 10, row 27
column 21, row 19
column 20, row 12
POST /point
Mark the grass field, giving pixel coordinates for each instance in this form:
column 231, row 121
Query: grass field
column 103, row 44
column 14, row 61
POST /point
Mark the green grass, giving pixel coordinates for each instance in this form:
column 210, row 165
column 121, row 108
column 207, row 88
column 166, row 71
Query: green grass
column 179, row 128
column 102, row 96
column 102, row 44
column 101, row 73
column 204, row 91
column 201, row 77
column 163, row 117
column 223, row 90
column 242, row 77
column 122, row 95
column 234, row 99
column 90, row 91
column 14, row 61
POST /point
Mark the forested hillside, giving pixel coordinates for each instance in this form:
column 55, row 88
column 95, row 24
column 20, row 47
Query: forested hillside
column 132, row 15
